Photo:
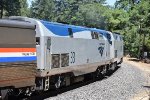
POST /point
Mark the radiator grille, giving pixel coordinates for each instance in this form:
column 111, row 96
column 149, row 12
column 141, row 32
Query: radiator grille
column 55, row 61
column 65, row 60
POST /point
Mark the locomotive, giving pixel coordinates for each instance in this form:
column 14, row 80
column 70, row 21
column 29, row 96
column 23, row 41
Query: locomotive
column 36, row 55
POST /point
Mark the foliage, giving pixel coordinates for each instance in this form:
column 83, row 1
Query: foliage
column 93, row 15
column 131, row 18
column 42, row 9
column 85, row 12
column 13, row 8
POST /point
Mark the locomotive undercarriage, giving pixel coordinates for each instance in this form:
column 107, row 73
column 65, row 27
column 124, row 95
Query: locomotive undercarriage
column 17, row 79
column 66, row 79
column 56, row 82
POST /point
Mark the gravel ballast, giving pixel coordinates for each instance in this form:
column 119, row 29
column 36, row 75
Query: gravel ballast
column 126, row 82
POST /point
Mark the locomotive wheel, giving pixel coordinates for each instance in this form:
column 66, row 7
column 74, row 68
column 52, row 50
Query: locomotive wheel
column 99, row 72
column 9, row 94
column 4, row 94
column 62, row 80
column 113, row 66
column 116, row 65
column 104, row 70
column 58, row 82
column 108, row 69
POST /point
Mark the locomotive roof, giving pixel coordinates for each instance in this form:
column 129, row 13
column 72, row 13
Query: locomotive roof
column 48, row 23
column 18, row 24
column 64, row 25
column 59, row 29
column 63, row 28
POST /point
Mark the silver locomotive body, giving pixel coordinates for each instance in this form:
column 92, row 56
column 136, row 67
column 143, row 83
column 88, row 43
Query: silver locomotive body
column 61, row 54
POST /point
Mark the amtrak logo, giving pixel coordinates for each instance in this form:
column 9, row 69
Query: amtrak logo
column 101, row 49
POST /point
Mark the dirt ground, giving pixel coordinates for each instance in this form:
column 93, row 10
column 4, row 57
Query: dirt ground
column 133, row 61
column 142, row 95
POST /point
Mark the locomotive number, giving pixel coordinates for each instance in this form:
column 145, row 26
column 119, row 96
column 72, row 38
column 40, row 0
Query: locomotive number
column 72, row 57
column 101, row 49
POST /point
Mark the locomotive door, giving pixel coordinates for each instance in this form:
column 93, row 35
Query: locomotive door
column 48, row 55
column 108, row 45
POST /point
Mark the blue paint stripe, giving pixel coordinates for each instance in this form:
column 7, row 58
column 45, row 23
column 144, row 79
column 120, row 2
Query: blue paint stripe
column 17, row 59
column 62, row 29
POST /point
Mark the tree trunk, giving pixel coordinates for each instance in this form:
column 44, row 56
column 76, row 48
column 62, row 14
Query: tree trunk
column 139, row 51
column 1, row 9
column 143, row 45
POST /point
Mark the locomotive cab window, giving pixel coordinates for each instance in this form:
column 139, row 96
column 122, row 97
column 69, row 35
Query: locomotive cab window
column 70, row 32
column 95, row 35
column 100, row 36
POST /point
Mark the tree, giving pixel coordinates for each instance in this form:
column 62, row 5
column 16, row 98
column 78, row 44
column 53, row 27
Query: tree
column 126, row 4
column 117, row 20
column 42, row 9
column 1, row 8
column 93, row 15
column 66, row 11
column 24, row 10
column 13, row 8
column 138, row 24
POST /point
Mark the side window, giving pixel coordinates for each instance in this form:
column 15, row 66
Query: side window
column 109, row 38
column 70, row 32
column 100, row 36
column 92, row 34
column 121, row 38
column 95, row 35
column 116, row 37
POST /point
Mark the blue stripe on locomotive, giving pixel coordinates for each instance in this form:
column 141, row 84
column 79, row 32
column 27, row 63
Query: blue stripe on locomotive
column 62, row 29
column 17, row 59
